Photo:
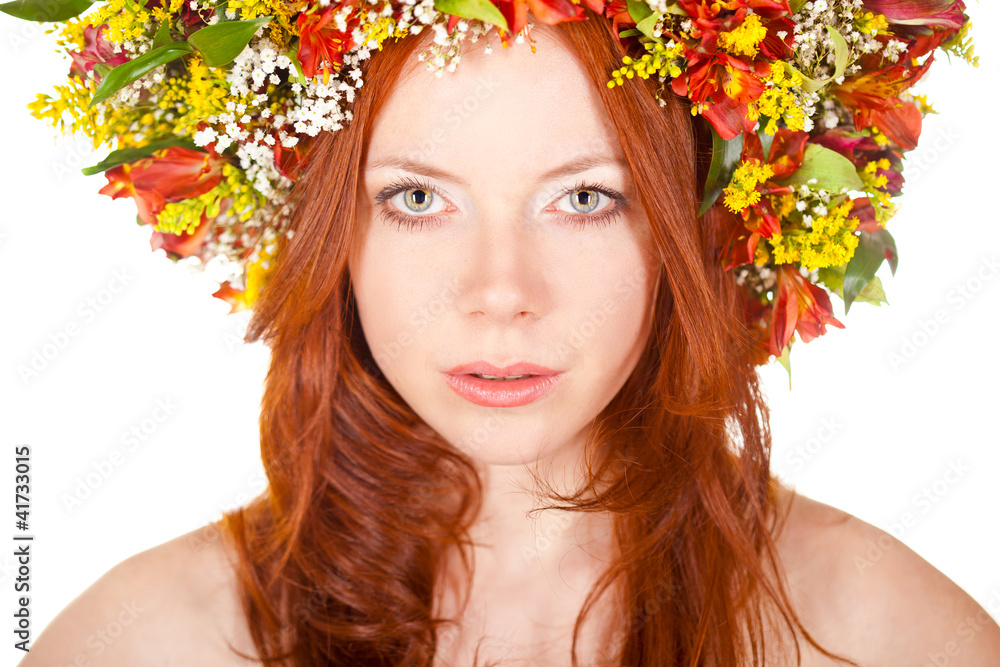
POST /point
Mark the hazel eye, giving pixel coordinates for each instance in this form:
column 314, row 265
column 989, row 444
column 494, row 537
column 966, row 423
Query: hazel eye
column 585, row 201
column 416, row 200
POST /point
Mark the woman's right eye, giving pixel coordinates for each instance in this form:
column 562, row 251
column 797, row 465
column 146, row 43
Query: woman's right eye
column 411, row 203
column 417, row 200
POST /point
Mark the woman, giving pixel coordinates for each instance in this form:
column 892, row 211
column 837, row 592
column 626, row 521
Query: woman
column 571, row 254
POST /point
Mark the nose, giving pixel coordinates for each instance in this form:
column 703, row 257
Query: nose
column 503, row 272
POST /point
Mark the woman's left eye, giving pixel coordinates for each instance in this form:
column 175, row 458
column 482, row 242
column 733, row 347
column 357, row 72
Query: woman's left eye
column 586, row 200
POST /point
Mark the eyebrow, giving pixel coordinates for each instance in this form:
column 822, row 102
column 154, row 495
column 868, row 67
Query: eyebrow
column 574, row 166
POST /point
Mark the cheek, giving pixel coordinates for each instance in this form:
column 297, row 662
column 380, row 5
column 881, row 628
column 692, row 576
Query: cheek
column 607, row 299
column 398, row 299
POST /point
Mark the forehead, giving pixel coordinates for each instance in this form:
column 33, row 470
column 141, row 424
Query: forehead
column 511, row 109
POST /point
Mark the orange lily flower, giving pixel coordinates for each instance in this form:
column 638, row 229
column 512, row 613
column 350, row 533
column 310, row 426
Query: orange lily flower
column 799, row 306
column 181, row 245
column 169, row 175
column 321, row 44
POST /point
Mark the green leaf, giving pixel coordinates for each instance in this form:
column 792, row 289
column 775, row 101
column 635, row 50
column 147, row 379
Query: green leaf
column 786, row 360
column 648, row 25
column 639, row 10
column 484, row 10
column 162, row 36
column 45, row 11
column 868, row 257
column 765, row 139
column 796, row 5
column 629, row 33
column 841, row 53
column 293, row 55
column 126, row 73
column 873, row 293
column 219, row 44
column 126, row 155
column 833, row 278
column 725, row 158
column 831, row 170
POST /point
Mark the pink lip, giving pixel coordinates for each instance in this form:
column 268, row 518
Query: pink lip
column 501, row 393
column 486, row 368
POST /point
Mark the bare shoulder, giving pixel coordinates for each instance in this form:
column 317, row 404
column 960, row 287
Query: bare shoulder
column 173, row 604
column 865, row 595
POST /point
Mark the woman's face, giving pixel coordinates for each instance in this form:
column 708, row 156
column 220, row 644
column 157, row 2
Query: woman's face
column 497, row 223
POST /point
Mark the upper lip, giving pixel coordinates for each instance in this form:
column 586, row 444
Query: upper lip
column 486, row 368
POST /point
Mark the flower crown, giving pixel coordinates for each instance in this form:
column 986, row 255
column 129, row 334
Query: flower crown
column 211, row 107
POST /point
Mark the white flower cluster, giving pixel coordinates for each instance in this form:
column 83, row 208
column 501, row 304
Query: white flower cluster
column 814, row 49
column 252, row 68
column 759, row 280
column 813, row 201
column 815, row 52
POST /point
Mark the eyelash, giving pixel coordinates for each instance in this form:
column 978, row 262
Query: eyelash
column 604, row 218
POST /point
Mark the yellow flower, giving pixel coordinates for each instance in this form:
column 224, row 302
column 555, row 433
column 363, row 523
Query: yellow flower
column 777, row 102
column 871, row 24
column 744, row 40
column 829, row 242
column 742, row 190
column 258, row 273
column 661, row 59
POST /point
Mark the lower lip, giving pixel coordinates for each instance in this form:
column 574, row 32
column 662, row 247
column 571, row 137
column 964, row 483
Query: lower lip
column 501, row 393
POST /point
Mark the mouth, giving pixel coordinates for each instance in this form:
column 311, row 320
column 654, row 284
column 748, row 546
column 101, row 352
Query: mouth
column 482, row 383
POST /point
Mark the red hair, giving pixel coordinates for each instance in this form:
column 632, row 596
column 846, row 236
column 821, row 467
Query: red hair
column 339, row 557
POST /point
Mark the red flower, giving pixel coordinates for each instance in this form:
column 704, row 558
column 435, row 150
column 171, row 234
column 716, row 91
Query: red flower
column 321, row 44
column 799, row 306
column 760, row 220
column 944, row 13
column 96, row 49
column 181, row 245
column 723, row 84
column 169, row 175
column 874, row 99
column 149, row 203
column 234, row 297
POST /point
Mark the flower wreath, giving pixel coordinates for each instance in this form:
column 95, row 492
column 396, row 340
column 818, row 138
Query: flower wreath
column 210, row 107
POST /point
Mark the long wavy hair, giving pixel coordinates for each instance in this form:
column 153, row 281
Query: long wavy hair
column 337, row 560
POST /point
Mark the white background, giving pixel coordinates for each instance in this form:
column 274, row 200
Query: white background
column 855, row 431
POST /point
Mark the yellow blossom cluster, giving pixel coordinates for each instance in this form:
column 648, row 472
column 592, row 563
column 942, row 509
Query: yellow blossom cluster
column 280, row 30
column 870, row 23
column 257, row 274
column 742, row 190
column 381, row 28
column 125, row 19
column 777, row 102
column 881, row 200
column 829, row 242
column 68, row 111
column 184, row 216
column 880, row 139
column 200, row 92
column 960, row 44
column 167, row 11
column 922, row 104
column 71, row 34
column 744, row 40
column 661, row 59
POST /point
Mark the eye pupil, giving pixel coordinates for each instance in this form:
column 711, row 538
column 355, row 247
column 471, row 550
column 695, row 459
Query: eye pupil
column 588, row 200
column 417, row 199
